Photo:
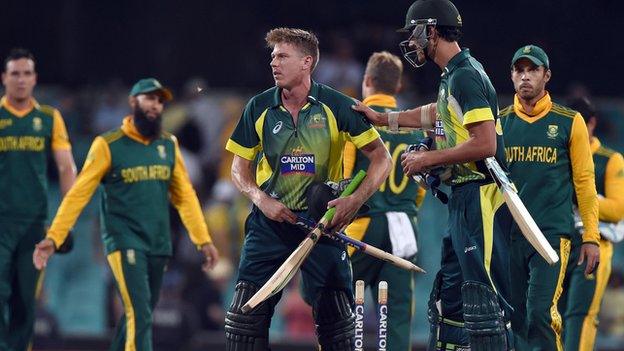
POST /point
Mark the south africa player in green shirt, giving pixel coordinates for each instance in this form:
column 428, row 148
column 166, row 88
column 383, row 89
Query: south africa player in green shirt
column 29, row 134
column 296, row 132
column 141, row 170
column 582, row 294
column 469, row 302
column 390, row 221
column 548, row 153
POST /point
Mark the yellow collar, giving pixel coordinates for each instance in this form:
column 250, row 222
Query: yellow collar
column 18, row 113
column 542, row 107
column 382, row 100
column 130, row 130
column 594, row 144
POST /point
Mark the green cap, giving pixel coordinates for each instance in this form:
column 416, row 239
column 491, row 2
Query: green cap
column 533, row 53
column 149, row 85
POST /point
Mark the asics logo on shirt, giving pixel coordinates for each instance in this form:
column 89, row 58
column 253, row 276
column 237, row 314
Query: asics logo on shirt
column 278, row 127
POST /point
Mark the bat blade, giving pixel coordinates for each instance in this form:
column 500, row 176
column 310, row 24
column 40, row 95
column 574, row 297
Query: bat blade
column 520, row 214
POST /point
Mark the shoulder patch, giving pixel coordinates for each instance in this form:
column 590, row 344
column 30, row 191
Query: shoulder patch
column 562, row 110
column 506, row 111
column 113, row 135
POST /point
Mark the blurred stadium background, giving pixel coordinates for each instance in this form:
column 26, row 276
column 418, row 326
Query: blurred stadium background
column 89, row 52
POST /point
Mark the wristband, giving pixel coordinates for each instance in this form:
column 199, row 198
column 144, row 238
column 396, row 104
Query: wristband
column 393, row 121
column 425, row 119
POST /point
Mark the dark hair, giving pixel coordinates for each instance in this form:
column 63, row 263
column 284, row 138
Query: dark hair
column 583, row 106
column 16, row 54
column 449, row 33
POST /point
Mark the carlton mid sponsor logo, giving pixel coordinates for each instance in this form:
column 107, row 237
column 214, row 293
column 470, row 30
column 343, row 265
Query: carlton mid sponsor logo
column 297, row 163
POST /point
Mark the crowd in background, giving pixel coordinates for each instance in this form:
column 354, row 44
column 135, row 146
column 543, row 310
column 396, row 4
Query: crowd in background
column 78, row 296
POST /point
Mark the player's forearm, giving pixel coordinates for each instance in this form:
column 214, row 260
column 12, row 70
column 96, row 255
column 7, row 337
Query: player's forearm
column 243, row 179
column 66, row 169
column 611, row 207
column 419, row 117
column 193, row 219
column 478, row 147
column 584, row 180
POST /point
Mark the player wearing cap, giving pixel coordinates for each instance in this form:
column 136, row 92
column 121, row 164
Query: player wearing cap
column 141, row 169
column 469, row 306
column 297, row 131
column 549, row 157
column 583, row 293
column 390, row 221
column 29, row 134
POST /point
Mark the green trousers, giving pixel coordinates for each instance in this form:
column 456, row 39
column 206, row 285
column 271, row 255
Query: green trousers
column 536, row 289
column 138, row 277
column 582, row 295
column 374, row 231
column 18, row 283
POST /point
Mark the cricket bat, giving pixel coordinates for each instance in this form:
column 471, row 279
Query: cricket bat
column 289, row 268
column 366, row 248
column 520, row 214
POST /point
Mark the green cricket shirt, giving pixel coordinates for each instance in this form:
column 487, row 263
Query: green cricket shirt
column 466, row 96
column 292, row 156
column 550, row 161
column 27, row 138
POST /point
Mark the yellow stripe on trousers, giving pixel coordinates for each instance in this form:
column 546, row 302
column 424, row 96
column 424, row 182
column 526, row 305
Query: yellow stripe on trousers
column 114, row 259
column 491, row 200
column 588, row 333
column 555, row 316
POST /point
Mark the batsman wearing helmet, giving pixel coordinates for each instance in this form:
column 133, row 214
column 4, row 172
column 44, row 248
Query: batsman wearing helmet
column 296, row 132
column 548, row 153
column 390, row 221
column 582, row 294
column 469, row 306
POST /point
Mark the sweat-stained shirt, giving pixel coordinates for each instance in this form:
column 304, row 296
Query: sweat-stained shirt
column 139, row 177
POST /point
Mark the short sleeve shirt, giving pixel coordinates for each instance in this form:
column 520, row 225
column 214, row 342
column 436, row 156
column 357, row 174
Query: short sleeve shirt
column 289, row 157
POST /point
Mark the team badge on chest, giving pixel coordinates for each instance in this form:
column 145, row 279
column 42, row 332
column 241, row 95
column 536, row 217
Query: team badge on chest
column 37, row 125
column 161, row 151
column 552, row 131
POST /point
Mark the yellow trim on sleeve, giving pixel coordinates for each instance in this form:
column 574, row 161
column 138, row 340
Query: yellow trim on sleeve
column 364, row 138
column 478, row 115
column 95, row 167
column 185, row 200
column 237, row 149
column 356, row 230
column 348, row 159
column 584, row 180
column 611, row 207
column 60, row 139
column 114, row 260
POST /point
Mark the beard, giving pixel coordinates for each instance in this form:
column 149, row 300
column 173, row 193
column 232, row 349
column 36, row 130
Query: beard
column 147, row 127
